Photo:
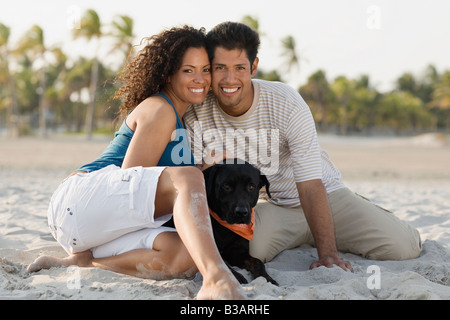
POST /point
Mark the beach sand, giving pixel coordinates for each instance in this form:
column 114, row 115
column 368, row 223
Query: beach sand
column 409, row 176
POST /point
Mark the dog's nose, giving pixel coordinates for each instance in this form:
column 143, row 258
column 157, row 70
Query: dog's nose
column 241, row 211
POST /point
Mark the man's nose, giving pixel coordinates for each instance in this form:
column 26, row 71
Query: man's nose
column 230, row 76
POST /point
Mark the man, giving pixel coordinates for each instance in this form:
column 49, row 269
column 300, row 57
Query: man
column 270, row 125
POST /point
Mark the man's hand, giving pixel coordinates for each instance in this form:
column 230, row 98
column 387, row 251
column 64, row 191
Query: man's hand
column 330, row 261
column 314, row 200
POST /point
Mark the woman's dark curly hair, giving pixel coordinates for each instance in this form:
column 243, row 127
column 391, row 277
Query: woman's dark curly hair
column 148, row 72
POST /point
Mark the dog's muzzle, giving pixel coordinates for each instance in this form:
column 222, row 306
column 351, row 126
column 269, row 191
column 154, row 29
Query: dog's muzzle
column 242, row 214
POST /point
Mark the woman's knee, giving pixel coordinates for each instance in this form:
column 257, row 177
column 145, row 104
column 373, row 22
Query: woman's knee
column 179, row 178
column 172, row 182
column 188, row 177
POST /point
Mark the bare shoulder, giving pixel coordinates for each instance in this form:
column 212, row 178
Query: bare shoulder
column 155, row 111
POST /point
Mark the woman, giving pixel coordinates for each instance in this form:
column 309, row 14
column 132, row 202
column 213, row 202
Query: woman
column 109, row 213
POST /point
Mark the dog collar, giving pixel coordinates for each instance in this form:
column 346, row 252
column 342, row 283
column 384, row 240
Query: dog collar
column 243, row 230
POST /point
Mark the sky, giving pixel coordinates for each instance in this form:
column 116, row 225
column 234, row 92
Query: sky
column 379, row 38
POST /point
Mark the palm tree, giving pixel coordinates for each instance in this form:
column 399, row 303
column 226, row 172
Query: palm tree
column 32, row 43
column 90, row 29
column 407, row 82
column 403, row 112
column 343, row 89
column 366, row 99
column 76, row 80
column 427, row 83
column 289, row 47
column 56, row 98
column 13, row 109
column 252, row 22
column 123, row 33
column 318, row 94
column 269, row 76
column 441, row 98
column 441, row 89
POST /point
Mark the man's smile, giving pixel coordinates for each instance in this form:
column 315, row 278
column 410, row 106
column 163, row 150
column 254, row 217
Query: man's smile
column 229, row 90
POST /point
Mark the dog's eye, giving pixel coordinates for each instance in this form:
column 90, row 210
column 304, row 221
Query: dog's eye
column 251, row 187
column 226, row 187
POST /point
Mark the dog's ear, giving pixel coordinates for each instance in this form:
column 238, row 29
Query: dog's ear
column 210, row 176
column 264, row 182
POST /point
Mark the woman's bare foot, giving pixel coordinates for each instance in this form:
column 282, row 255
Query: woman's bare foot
column 81, row 259
column 223, row 289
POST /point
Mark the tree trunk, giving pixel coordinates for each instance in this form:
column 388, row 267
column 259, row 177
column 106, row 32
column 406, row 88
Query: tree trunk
column 343, row 121
column 13, row 110
column 91, row 106
column 42, row 111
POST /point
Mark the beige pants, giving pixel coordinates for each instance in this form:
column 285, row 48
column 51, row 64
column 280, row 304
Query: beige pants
column 361, row 228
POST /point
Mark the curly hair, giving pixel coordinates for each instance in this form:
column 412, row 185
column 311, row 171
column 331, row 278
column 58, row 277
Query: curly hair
column 148, row 72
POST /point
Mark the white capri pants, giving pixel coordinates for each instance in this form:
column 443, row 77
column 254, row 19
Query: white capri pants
column 109, row 211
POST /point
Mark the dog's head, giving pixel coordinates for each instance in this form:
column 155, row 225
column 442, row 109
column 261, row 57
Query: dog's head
column 232, row 188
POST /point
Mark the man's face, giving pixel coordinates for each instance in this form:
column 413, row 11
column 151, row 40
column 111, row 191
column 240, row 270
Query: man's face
column 231, row 80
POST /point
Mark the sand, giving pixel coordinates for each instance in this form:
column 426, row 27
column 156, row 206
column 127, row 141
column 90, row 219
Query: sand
column 409, row 176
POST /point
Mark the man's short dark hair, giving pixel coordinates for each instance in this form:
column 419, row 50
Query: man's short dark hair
column 233, row 35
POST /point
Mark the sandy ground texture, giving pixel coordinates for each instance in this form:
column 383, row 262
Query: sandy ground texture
column 409, row 176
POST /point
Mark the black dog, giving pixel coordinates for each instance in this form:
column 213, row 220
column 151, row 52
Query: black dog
column 232, row 190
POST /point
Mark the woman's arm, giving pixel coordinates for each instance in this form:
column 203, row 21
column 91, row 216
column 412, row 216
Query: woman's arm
column 153, row 122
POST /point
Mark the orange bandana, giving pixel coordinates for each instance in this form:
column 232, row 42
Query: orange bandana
column 244, row 230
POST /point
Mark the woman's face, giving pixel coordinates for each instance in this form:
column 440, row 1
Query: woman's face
column 192, row 81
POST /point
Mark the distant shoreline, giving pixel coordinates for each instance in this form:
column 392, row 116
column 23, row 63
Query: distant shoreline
column 421, row 157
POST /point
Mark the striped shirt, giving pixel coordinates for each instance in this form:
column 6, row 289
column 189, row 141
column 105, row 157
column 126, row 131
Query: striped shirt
column 277, row 135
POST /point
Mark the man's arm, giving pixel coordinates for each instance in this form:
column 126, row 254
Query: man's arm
column 314, row 200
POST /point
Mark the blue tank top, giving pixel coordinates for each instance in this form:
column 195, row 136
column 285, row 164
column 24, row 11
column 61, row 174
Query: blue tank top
column 177, row 152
